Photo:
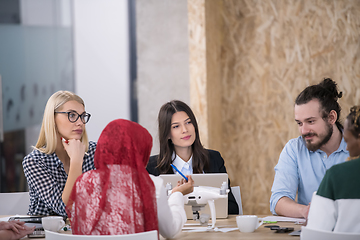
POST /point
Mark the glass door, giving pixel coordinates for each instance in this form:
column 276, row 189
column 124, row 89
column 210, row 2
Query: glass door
column 36, row 60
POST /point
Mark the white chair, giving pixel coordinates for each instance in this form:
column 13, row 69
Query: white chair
column 151, row 235
column 14, row 203
column 236, row 192
column 310, row 234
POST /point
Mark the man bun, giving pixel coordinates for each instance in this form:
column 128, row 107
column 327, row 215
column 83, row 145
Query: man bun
column 331, row 88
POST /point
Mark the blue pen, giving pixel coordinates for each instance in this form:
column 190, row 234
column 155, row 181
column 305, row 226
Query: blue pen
column 179, row 172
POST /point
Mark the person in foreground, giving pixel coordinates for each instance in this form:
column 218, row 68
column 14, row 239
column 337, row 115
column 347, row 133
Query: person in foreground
column 180, row 145
column 14, row 230
column 120, row 197
column 304, row 160
column 336, row 205
column 61, row 154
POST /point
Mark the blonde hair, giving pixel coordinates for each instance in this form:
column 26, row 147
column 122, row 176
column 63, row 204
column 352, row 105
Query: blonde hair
column 47, row 140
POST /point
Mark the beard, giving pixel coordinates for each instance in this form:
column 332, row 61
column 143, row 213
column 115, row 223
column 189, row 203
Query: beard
column 324, row 138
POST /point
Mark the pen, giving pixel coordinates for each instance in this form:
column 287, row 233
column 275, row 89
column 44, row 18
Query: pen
column 179, row 172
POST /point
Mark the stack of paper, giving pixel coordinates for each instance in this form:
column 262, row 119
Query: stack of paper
column 283, row 219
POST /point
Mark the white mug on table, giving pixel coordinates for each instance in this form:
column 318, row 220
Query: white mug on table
column 52, row 223
column 248, row 223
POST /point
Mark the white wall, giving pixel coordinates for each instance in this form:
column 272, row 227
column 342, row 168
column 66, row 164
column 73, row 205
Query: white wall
column 162, row 58
column 102, row 60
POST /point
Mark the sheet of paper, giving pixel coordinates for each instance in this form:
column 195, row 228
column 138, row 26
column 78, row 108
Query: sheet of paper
column 228, row 229
column 208, row 229
column 283, row 219
column 295, row 233
column 196, row 229
column 194, row 224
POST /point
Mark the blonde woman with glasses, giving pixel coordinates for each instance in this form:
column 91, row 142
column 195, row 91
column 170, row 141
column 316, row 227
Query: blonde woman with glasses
column 61, row 154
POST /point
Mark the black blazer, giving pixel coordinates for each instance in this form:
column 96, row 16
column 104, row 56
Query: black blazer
column 216, row 165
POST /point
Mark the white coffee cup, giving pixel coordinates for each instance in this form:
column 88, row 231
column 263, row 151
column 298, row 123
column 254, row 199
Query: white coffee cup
column 248, row 223
column 52, row 223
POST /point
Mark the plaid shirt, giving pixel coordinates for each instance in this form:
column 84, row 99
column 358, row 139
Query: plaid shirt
column 46, row 178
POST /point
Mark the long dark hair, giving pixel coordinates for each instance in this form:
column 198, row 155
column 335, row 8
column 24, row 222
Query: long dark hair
column 200, row 155
column 327, row 94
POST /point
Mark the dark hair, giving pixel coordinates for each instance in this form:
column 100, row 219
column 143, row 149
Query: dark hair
column 200, row 155
column 354, row 121
column 327, row 94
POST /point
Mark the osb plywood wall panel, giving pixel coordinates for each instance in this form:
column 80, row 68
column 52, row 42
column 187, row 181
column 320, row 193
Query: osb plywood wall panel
column 205, row 40
column 271, row 51
column 214, row 38
column 197, row 62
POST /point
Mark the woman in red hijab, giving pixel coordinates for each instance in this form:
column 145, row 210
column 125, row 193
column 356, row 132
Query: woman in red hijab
column 120, row 197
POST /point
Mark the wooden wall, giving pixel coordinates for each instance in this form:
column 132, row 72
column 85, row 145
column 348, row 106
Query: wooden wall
column 268, row 52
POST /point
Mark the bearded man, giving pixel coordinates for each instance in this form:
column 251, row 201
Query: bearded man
column 304, row 160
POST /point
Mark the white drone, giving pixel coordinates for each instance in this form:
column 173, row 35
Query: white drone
column 203, row 195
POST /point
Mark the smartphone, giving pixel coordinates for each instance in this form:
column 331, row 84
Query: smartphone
column 284, row 229
column 279, row 229
column 31, row 221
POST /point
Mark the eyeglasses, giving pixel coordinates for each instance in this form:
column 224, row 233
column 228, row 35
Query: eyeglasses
column 74, row 116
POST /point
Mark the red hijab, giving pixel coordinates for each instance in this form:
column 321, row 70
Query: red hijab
column 119, row 196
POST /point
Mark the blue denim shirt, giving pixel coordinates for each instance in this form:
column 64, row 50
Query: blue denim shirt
column 301, row 170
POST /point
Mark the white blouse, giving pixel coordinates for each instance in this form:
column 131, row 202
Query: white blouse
column 170, row 210
column 184, row 167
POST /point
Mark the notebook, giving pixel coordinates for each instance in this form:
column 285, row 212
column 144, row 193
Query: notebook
column 208, row 179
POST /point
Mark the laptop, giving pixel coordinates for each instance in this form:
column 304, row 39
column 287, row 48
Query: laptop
column 208, row 179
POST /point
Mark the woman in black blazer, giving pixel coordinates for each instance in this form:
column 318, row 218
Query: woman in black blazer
column 180, row 145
